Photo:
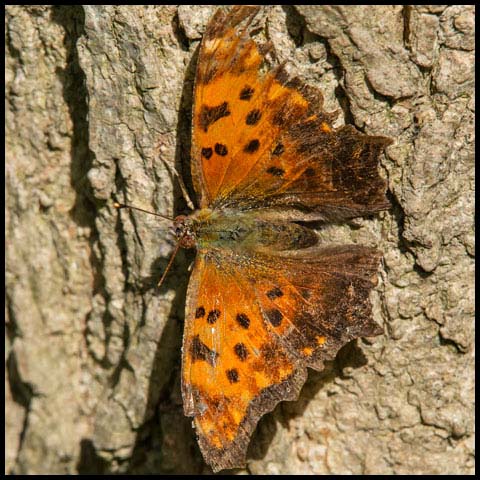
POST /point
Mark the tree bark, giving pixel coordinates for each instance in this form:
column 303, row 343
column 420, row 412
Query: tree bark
column 98, row 98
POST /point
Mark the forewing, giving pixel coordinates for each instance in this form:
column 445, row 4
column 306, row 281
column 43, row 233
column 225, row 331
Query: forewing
column 233, row 369
column 227, row 55
column 262, row 140
column 253, row 323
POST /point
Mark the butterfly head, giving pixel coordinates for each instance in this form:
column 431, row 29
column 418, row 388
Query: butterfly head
column 184, row 231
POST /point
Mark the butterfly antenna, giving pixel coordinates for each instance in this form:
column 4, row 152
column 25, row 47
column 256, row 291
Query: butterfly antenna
column 174, row 172
column 170, row 262
column 123, row 205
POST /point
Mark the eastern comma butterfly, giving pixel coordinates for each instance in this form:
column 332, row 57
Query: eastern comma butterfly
column 265, row 300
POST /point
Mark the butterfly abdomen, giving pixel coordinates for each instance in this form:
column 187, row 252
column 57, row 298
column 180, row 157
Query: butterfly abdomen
column 246, row 231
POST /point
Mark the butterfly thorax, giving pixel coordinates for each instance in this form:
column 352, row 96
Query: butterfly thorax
column 234, row 230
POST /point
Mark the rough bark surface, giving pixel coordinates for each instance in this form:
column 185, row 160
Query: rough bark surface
column 95, row 98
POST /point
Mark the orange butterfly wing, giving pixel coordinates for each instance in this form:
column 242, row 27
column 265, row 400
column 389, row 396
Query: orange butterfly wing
column 261, row 140
column 253, row 323
column 233, row 371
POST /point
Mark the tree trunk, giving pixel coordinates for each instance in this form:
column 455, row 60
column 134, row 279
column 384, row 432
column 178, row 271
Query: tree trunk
column 98, row 100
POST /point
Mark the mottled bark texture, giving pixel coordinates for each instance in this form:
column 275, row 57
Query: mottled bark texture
column 96, row 97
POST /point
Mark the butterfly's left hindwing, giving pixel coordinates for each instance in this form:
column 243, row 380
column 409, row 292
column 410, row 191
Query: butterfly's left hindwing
column 254, row 322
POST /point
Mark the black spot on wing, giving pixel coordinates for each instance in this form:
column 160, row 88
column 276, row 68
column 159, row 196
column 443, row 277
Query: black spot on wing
column 275, row 171
column 252, row 146
column 209, row 115
column 246, row 93
column 243, row 320
column 200, row 352
column 207, row 152
column 232, row 375
column 253, row 117
column 213, row 316
column 241, row 351
column 274, row 293
column 278, row 150
column 221, row 149
column 274, row 316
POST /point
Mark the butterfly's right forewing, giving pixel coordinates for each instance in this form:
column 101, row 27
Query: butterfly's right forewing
column 261, row 140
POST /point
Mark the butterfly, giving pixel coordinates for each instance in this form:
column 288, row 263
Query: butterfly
column 265, row 300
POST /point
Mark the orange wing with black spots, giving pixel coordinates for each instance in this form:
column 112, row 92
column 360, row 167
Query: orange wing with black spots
column 253, row 323
column 261, row 139
column 233, row 370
